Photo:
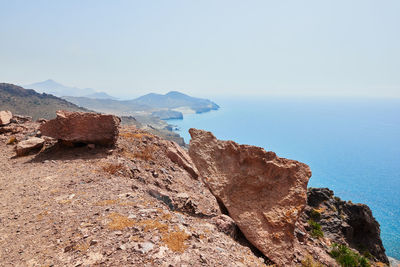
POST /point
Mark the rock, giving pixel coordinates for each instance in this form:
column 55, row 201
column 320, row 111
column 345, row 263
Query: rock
column 164, row 198
column 226, row 225
column 179, row 156
column 264, row 194
column 20, row 119
column 184, row 203
column 25, row 147
column 41, row 120
column 145, row 247
column 345, row 222
column 91, row 146
column 5, row 117
column 83, row 127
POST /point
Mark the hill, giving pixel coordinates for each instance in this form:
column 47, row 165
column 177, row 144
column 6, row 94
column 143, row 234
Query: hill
column 28, row 102
column 169, row 106
column 57, row 89
column 177, row 101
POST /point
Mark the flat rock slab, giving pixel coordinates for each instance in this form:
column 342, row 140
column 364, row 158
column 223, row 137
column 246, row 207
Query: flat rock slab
column 82, row 127
column 25, row 147
column 264, row 194
column 5, row 117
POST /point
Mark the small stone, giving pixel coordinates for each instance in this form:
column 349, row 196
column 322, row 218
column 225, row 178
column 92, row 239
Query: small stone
column 91, row 146
column 146, row 247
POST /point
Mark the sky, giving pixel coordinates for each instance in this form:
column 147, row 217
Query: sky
column 205, row 48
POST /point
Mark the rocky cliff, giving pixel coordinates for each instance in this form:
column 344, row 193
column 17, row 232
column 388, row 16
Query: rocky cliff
column 146, row 201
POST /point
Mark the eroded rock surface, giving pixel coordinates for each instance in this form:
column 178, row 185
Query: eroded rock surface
column 263, row 193
column 5, row 117
column 25, row 147
column 83, row 127
column 344, row 222
column 179, row 156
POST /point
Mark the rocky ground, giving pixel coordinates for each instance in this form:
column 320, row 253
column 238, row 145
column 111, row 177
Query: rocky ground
column 145, row 202
column 126, row 206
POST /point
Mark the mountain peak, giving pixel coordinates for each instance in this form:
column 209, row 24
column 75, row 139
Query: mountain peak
column 175, row 93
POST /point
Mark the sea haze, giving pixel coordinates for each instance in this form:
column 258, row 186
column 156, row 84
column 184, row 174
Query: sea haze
column 351, row 145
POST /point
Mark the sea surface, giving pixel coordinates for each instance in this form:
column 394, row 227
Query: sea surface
column 351, row 145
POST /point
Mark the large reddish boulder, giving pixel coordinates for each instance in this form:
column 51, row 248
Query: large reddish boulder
column 264, row 194
column 5, row 117
column 82, row 127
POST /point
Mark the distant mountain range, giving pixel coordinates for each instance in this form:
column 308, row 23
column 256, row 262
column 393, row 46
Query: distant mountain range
column 57, row 89
column 146, row 112
column 169, row 106
column 28, row 102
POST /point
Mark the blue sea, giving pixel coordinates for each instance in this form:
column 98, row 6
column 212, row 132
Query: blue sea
column 351, row 145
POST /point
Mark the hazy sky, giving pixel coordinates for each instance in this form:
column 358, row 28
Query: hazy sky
column 205, row 48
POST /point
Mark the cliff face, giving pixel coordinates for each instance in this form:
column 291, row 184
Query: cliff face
column 147, row 202
column 344, row 222
column 266, row 196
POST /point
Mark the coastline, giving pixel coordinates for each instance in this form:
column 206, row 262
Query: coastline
column 343, row 164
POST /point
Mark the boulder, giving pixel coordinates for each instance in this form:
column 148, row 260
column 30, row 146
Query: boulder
column 25, row 147
column 179, row 156
column 263, row 194
column 5, row 117
column 82, row 127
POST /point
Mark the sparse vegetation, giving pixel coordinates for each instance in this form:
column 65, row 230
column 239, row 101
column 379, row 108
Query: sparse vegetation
column 130, row 135
column 12, row 140
column 310, row 262
column 316, row 230
column 113, row 168
column 119, row 222
column 348, row 258
column 146, row 153
column 175, row 240
column 315, row 214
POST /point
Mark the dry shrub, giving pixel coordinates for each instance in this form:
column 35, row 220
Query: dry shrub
column 175, row 240
column 12, row 140
column 130, row 135
column 113, row 168
column 146, row 153
column 82, row 246
column 106, row 202
column 119, row 222
column 154, row 225
column 308, row 261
